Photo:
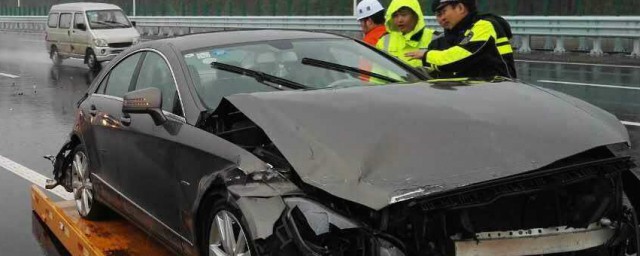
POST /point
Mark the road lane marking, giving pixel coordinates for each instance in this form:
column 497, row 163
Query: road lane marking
column 9, row 75
column 593, row 85
column 32, row 176
column 579, row 64
column 630, row 123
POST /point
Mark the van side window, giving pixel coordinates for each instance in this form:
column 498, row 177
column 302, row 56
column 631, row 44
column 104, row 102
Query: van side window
column 65, row 20
column 53, row 20
column 79, row 19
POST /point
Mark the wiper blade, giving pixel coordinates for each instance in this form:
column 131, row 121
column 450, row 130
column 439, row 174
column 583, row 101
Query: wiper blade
column 261, row 77
column 342, row 68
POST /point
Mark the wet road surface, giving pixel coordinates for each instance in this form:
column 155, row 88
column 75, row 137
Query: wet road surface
column 37, row 103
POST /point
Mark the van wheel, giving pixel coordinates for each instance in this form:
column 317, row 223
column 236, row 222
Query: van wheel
column 55, row 56
column 92, row 61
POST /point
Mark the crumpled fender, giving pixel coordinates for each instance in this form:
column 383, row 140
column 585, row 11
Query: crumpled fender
column 60, row 163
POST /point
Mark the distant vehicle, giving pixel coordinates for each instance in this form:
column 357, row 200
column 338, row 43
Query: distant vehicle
column 273, row 142
column 94, row 32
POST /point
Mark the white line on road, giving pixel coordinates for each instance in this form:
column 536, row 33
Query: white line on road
column 32, row 176
column 9, row 75
column 579, row 64
column 630, row 123
column 593, row 85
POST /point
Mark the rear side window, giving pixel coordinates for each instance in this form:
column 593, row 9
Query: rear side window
column 65, row 20
column 53, row 20
column 121, row 76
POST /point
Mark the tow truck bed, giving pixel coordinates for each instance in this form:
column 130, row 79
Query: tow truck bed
column 114, row 236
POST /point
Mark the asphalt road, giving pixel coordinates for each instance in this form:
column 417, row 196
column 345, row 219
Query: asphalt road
column 37, row 102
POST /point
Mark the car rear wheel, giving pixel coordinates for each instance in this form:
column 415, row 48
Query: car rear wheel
column 225, row 233
column 55, row 56
column 83, row 192
column 92, row 60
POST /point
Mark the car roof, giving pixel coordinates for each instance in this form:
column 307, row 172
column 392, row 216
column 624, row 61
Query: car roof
column 204, row 40
column 84, row 6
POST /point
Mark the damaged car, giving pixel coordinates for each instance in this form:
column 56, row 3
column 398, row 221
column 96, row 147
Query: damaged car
column 272, row 142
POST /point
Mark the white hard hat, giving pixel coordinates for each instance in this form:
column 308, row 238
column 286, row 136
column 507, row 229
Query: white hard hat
column 367, row 8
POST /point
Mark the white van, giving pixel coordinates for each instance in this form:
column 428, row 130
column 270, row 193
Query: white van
column 94, row 32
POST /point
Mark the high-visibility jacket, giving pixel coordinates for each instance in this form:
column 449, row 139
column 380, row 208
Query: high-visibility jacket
column 374, row 35
column 398, row 44
column 480, row 48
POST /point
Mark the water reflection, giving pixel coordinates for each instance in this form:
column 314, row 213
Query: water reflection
column 68, row 85
column 589, row 82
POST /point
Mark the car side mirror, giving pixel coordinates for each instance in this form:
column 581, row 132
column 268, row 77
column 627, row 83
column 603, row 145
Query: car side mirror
column 81, row 26
column 145, row 101
column 133, row 23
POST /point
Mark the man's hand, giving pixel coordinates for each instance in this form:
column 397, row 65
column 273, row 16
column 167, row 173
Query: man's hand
column 416, row 54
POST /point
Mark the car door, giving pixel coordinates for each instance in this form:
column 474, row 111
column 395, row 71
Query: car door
column 63, row 33
column 105, row 108
column 79, row 35
column 148, row 163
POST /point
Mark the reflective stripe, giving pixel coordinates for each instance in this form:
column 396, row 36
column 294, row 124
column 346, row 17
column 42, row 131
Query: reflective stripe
column 386, row 42
column 505, row 49
column 502, row 40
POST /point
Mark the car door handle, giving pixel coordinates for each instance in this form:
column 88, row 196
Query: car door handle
column 125, row 120
column 93, row 111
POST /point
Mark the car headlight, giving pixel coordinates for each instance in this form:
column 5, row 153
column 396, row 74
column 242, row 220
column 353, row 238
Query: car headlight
column 100, row 42
column 135, row 40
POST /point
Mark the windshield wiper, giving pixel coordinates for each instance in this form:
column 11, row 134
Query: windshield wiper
column 343, row 69
column 259, row 76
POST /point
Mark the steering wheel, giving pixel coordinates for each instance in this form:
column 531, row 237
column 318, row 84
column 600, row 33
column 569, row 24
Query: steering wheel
column 343, row 82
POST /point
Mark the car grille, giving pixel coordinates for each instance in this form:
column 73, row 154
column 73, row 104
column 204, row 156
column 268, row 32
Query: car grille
column 120, row 45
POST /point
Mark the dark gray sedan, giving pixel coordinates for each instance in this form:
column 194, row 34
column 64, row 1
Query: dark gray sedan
column 299, row 143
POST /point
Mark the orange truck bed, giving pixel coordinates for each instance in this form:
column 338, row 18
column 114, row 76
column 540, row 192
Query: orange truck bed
column 113, row 236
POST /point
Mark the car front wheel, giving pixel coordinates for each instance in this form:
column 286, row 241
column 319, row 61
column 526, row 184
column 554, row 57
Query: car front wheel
column 83, row 192
column 226, row 234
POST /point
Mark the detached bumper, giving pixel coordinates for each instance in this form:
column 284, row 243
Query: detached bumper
column 536, row 241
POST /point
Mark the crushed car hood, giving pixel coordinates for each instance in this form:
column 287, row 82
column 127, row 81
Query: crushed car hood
column 384, row 144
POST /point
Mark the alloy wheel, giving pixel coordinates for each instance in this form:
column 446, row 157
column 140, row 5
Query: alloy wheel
column 82, row 186
column 227, row 237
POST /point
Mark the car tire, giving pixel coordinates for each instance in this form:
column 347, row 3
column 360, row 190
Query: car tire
column 55, row 56
column 92, row 60
column 225, row 218
column 82, row 186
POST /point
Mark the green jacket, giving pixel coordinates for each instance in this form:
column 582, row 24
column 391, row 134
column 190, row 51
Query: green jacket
column 397, row 44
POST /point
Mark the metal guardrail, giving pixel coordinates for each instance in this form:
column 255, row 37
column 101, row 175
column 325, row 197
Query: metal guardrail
column 553, row 27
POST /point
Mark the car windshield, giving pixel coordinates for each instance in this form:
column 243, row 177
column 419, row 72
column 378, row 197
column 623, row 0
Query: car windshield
column 312, row 63
column 107, row 19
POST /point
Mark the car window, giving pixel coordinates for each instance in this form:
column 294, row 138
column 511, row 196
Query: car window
column 121, row 76
column 79, row 19
column 283, row 59
column 156, row 73
column 65, row 20
column 53, row 20
column 103, row 85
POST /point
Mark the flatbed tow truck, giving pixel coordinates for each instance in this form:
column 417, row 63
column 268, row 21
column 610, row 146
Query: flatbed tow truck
column 113, row 236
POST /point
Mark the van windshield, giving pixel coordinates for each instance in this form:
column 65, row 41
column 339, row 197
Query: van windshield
column 107, row 19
